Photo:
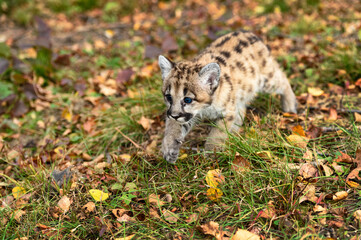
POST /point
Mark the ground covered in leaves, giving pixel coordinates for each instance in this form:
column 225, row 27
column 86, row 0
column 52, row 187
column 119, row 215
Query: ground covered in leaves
column 82, row 117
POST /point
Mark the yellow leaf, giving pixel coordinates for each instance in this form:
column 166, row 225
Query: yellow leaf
column 214, row 177
column 18, row 192
column 183, row 156
column 214, row 194
column 67, row 115
column 109, row 33
column 316, row 92
column 298, row 141
column 145, row 122
column 98, row 195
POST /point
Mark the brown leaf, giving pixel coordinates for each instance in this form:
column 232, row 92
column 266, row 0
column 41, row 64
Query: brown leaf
column 298, row 141
column 64, row 203
column 153, row 213
column 333, row 114
column 357, row 117
column 145, row 122
column 314, row 132
column 169, row 44
column 124, row 76
column 357, row 216
column 155, row 200
column 242, row 234
column 344, row 158
column 170, row 216
column 89, row 207
column 269, row 212
column 18, row 214
column 308, row 170
column 63, row 59
column 310, row 191
column 118, row 212
column 240, row 164
column 19, row 109
column 210, row 228
column 340, row 196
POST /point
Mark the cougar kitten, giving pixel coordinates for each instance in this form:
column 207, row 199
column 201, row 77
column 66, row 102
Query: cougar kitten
column 217, row 84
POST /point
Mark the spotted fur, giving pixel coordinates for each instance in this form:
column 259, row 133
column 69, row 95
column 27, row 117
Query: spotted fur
column 220, row 81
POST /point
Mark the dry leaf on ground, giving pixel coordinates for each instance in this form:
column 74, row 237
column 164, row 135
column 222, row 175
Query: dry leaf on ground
column 64, row 204
column 170, row 216
column 298, row 141
column 155, row 200
column 240, row 164
column 125, row 238
column 316, row 92
column 214, row 194
column 308, row 170
column 357, row 216
column 89, row 207
column 242, row 234
column 298, row 130
column 340, row 196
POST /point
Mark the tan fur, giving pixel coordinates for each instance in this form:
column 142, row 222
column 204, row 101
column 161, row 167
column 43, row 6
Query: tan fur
column 220, row 81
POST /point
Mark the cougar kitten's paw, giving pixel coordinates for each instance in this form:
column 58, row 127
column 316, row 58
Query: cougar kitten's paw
column 170, row 149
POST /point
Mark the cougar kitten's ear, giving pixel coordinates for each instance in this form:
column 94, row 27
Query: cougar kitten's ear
column 209, row 76
column 165, row 65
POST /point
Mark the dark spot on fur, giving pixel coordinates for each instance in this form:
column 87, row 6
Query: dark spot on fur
column 230, row 118
column 252, row 39
column 235, row 34
column 226, row 54
column 263, row 62
column 250, row 88
column 269, row 48
column 252, row 56
column 228, row 80
column 224, row 40
column 221, row 60
column 185, row 91
column 270, row 75
column 260, row 53
column 241, row 44
column 252, row 70
column 239, row 64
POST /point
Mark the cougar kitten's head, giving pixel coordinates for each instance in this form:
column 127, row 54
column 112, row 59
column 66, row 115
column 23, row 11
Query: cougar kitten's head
column 187, row 87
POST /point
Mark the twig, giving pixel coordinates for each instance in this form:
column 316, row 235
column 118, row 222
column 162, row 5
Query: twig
column 129, row 139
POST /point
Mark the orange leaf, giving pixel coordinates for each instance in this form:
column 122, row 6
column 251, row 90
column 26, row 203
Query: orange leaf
column 299, row 130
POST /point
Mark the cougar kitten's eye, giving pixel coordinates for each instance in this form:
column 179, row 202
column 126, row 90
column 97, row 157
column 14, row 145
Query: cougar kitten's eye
column 187, row 100
column 168, row 97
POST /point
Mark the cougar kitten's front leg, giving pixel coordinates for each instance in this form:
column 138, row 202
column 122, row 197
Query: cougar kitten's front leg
column 173, row 138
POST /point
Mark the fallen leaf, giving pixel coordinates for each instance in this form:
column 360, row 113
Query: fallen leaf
column 125, row 218
column 357, row 216
column 357, row 117
column 18, row 192
column 308, row 170
column 242, row 234
column 124, row 76
column 340, row 196
column 333, row 115
column 266, row 155
column 183, row 156
column 298, row 141
column 344, row 158
column 214, row 194
column 155, row 200
column 210, row 228
column 64, row 203
column 67, row 115
column 89, row 207
column 214, row 178
column 118, row 212
column 153, row 213
column 18, row 214
column 269, row 212
column 124, row 158
column 310, row 191
column 170, row 216
column 240, row 164
column 169, row 44
column 298, row 130
column 316, row 92
column 98, row 195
